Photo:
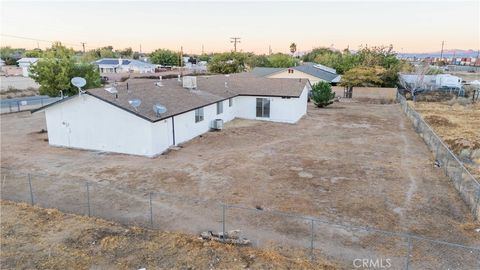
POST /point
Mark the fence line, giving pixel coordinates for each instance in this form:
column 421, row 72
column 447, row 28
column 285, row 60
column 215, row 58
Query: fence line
column 25, row 103
column 466, row 184
column 316, row 237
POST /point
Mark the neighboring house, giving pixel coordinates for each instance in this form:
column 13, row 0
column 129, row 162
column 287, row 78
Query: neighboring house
column 311, row 71
column 103, row 119
column 114, row 65
column 430, row 82
column 25, row 63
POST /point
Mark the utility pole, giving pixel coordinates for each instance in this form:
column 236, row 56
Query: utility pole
column 441, row 52
column 203, row 51
column 269, row 50
column 140, row 48
column 235, row 40
column 83, row 45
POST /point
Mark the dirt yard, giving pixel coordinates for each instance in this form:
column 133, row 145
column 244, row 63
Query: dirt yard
column 459, row 127
column 353, row 163
column 38, row 238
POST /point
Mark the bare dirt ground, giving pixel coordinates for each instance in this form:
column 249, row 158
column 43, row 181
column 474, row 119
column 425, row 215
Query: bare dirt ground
column 38, row 238
column 459, row 127
column 353, row 162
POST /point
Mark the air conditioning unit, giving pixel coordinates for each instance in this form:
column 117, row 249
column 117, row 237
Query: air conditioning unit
column 217, row 124
column 190, row 82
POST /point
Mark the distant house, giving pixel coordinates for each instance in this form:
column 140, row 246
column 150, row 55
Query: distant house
column 119, row 65
column 430, row 82
column 124, row 119
column 311, row 71
column 25, row 63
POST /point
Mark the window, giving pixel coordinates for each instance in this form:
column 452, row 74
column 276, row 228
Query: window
column 263, row 107
column 220, row 107
column 198, row 115
column 230, row 102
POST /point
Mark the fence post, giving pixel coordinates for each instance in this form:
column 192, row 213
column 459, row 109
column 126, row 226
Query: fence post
column 312, row 235
column 224, row 207
column 30, row 185
column 151, row 210
column 88, row 198
column 409, row 251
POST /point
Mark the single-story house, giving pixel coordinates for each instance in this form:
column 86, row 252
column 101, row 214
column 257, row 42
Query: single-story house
column 124, row 118
column 311, row 71
column 114, row 65
column 25, row 64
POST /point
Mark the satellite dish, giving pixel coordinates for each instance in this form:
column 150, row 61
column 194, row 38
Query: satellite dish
column 159, row 109
column 135, row 103
column 78, row 82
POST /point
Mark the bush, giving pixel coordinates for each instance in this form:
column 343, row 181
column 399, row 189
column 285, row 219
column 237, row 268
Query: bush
column 322, row 94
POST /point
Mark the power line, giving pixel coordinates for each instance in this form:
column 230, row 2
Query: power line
column 235, row 40
column 80, row 44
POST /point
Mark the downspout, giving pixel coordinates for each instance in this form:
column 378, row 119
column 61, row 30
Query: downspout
column 173, row 130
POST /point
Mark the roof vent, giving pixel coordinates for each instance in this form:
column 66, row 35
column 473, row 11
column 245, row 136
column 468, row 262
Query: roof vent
column 159, row 83
column 190, row 82
column 111, row 90
column 135, row 103
column 159, row 109
column 179, row 78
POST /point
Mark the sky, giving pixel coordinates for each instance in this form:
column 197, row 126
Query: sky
column 410, row 26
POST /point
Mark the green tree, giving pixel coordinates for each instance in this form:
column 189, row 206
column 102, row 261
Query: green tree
column 322, row 94
column 293, row 48
column 10, row 55
column 165, row 57
column 125, row 53
column 229, row 62
column 57, row 67
column 362, row 76
column 257, row 61
column 36, row 53
column 280, row 60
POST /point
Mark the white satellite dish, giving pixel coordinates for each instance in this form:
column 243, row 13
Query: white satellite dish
column 159, row 109
column 135, row 103
column 79, row 82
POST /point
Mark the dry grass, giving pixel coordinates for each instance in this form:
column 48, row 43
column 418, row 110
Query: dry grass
column 37, row 238
column 459, row 127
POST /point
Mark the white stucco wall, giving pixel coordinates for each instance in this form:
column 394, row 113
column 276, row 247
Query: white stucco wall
column 286, row 110
column 186, row 128
column 86, row 122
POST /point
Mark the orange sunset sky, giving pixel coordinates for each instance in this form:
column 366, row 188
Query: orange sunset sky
column 410, row 26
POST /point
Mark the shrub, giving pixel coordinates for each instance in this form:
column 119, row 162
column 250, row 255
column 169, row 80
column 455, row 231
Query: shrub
column 322, row 94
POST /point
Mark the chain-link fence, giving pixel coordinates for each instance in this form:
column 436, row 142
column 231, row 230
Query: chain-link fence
column 347, row 246
column 463, row 180
column 25, row 103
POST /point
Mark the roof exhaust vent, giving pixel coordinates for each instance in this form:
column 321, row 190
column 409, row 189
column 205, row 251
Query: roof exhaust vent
column 159, row 83
column 135, row 103
column 179, row 78
column 226, row 84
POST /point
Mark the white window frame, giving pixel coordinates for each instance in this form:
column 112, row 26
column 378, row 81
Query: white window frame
column 219, row 107
column 199, row 115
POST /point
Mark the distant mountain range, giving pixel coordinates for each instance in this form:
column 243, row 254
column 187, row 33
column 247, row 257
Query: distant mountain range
column 446, row 53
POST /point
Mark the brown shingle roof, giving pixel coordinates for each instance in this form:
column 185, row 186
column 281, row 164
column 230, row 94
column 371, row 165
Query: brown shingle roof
column 210, row 89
